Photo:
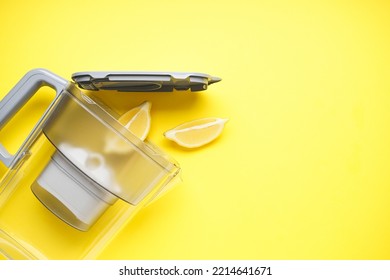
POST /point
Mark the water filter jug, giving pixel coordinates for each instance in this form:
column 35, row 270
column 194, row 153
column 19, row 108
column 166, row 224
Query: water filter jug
column 62, row 195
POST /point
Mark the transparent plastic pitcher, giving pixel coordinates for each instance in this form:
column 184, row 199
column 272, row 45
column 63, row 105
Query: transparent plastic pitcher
column 64, row 196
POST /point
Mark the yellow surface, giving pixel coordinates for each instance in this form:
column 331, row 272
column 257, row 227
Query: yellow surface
column 302, row 170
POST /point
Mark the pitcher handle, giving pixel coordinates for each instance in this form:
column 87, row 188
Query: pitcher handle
column 20, row 94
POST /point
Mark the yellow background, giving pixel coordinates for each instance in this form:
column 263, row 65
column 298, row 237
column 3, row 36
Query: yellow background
column 302, row 169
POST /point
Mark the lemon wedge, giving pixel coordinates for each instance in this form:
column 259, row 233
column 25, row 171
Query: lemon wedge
column 196, row 133
column 137, row 121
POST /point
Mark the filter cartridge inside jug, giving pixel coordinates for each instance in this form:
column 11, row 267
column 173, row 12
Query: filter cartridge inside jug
column 66, row 190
